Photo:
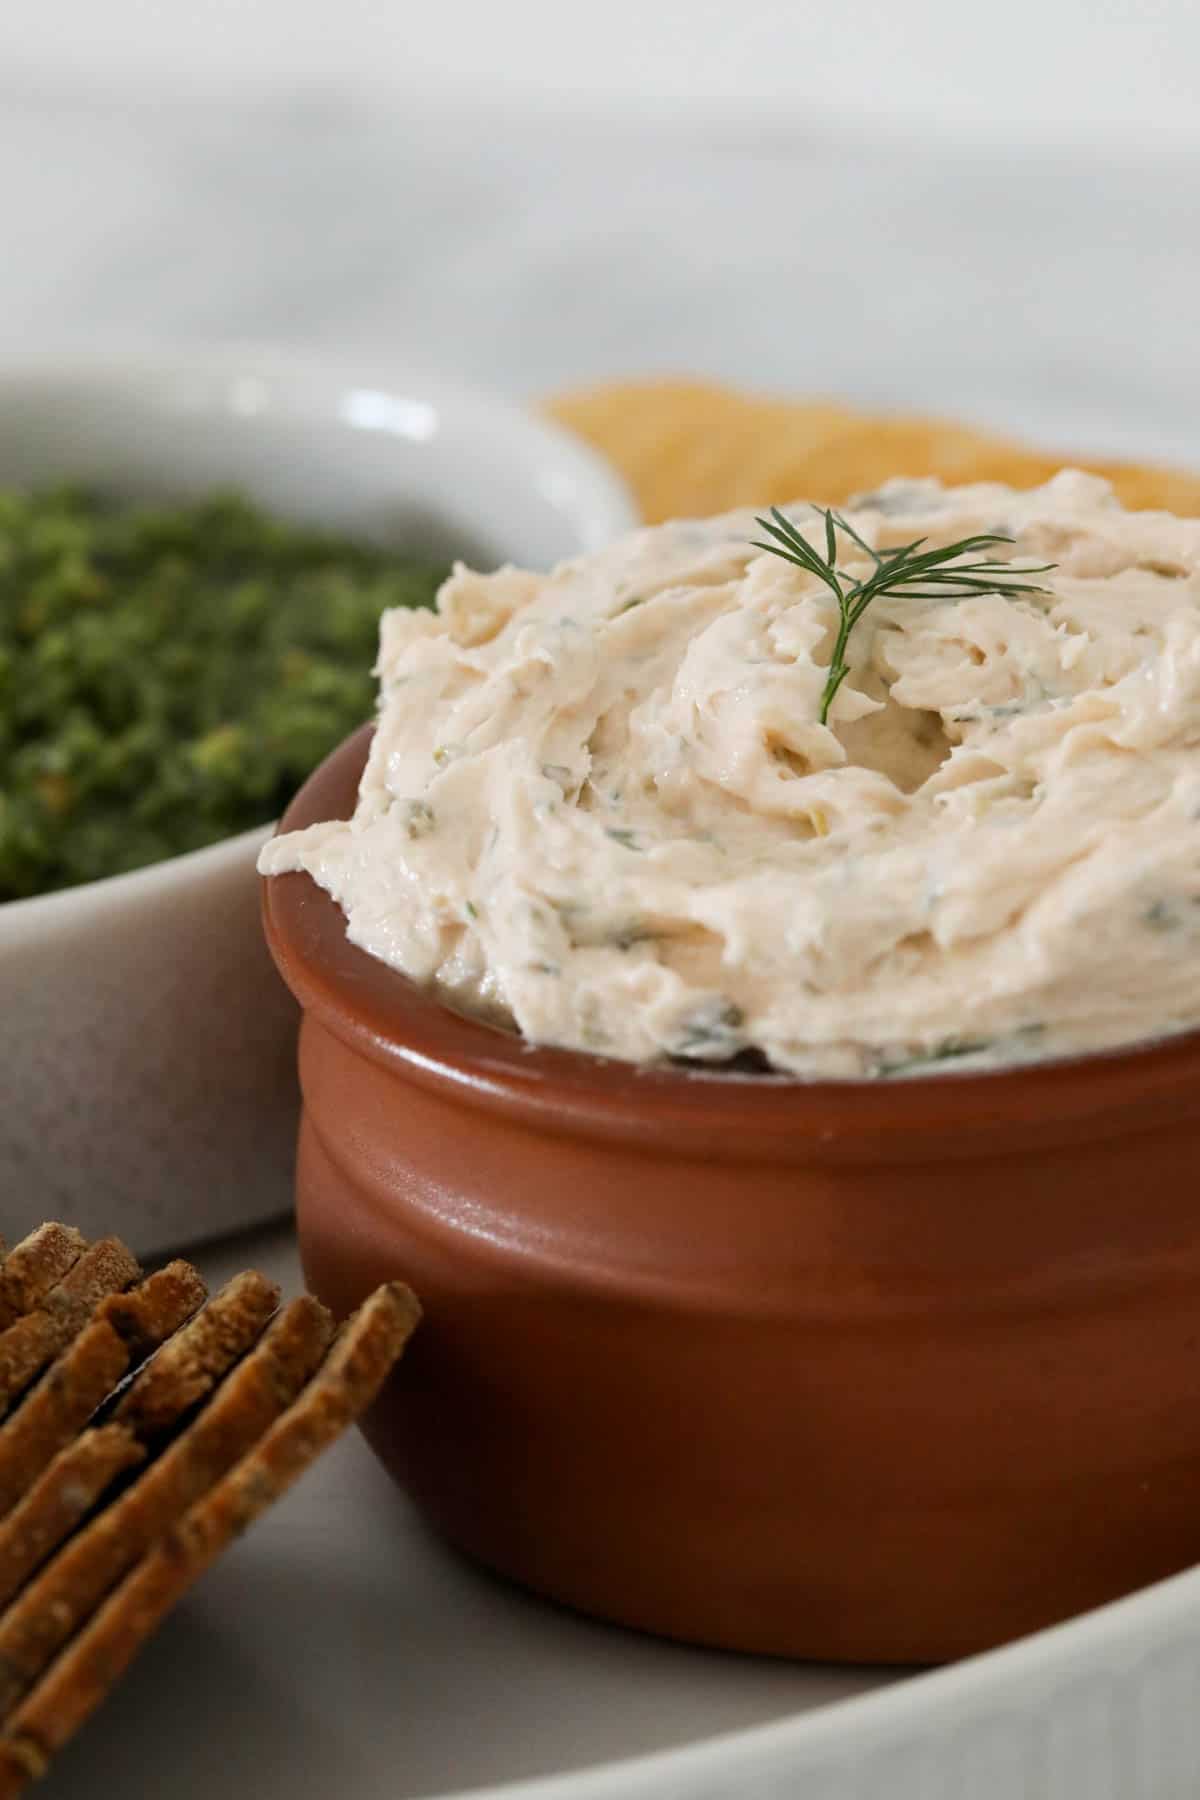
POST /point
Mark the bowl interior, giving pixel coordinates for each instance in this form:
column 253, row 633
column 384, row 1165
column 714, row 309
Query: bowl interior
column 400, row 460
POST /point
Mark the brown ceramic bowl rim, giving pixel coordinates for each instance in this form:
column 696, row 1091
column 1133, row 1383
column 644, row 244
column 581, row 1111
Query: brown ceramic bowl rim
column 394, row 1021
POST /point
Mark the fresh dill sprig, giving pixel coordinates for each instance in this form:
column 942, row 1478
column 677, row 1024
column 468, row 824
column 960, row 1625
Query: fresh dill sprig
column 908, row 568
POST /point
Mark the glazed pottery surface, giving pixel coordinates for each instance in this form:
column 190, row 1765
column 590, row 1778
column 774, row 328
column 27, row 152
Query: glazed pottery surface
column 871, row 1371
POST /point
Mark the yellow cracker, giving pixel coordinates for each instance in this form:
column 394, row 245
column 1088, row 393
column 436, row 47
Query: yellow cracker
column 690, row 448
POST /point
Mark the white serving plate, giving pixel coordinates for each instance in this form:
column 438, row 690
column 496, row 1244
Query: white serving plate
column 339, row 1650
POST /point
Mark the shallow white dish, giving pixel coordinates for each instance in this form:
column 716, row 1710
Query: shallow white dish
column 146, row 1044
column 340, row 1650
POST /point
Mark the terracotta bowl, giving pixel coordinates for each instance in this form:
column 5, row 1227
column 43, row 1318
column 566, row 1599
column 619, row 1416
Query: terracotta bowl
column 885, row 1372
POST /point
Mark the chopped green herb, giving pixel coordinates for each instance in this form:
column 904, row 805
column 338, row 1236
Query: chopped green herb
column 950, row 1050
column 634, row 933
column 419, row 819
column 628, row 839
column 170, row 675
column 957, row 1049
column 712, row 1032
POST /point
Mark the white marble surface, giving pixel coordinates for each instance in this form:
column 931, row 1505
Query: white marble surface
column 1052, row 294
column 1105, row 68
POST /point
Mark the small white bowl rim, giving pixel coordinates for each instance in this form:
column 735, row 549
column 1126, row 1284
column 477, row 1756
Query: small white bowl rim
column 610, row 504
column 57, row 906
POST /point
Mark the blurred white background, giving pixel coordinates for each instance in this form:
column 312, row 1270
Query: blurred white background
column 1053, row 68
column 989, row 212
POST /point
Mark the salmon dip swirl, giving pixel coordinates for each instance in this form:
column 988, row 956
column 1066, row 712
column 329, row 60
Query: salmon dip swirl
column 601, row 806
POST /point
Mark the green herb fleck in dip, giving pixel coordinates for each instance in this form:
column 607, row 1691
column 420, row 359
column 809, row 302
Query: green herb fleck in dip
column 168, row 676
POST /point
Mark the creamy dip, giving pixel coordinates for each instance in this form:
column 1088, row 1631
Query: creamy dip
column 599, row 804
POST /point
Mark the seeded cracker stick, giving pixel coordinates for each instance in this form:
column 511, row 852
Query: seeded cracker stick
column 361, row 1357
column 189, row 1367
column 60, row 1499
column 36, row 1339
column 185, row 1371
column 65, row 1593
column 34, row 1266
column 124, row 1329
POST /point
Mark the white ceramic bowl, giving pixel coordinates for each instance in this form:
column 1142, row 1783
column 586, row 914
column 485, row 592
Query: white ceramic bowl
column 147, row 1080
